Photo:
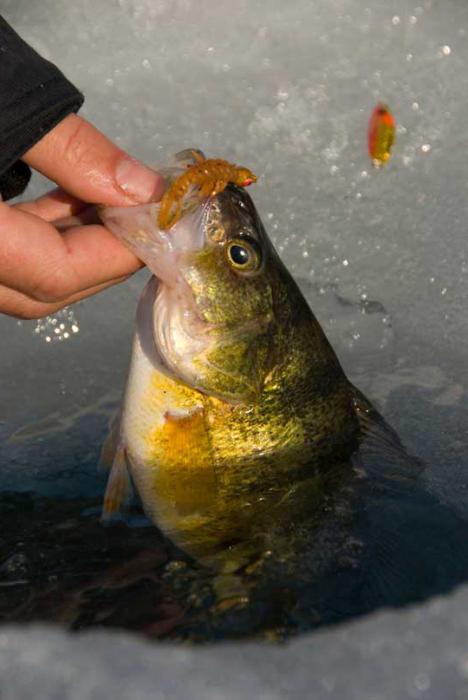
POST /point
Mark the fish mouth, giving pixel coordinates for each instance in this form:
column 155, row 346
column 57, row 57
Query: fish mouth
column 229, row 214
column 171, row 327
column 161, row 251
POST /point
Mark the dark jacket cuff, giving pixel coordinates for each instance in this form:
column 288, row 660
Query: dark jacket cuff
column 34, row 97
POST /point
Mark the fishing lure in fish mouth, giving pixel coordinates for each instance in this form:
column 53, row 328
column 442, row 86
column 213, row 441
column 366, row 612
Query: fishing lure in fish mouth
column 380, row 135
column 210, row 176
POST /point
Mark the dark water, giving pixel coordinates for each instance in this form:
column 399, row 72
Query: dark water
column 378, row 540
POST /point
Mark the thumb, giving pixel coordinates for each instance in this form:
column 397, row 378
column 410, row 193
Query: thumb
column 83, row 162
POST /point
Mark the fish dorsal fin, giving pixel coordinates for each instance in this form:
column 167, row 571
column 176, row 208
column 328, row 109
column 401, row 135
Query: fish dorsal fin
column 381, row 451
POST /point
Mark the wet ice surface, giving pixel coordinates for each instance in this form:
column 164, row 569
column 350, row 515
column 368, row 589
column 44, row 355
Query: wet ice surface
column 287, row 91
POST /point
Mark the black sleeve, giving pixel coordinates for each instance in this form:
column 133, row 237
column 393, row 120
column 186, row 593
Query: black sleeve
column 34, row 97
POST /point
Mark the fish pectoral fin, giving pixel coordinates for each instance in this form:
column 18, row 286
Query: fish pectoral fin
column 381, row 451
column 110, row 445
column 118, row 486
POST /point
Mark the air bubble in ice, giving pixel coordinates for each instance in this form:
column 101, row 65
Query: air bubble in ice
column 422, row 682
column 444, row 51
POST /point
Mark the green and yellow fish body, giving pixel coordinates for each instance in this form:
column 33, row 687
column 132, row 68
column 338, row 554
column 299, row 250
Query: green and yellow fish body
column 237, row 412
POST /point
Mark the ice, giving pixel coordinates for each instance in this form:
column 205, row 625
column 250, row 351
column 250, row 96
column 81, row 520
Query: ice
column 286, row 89
column 417, row 653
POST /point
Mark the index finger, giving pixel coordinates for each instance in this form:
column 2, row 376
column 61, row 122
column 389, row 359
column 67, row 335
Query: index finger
column 86, row 164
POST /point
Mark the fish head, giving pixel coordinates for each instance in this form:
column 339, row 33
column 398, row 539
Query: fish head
column 214, row 309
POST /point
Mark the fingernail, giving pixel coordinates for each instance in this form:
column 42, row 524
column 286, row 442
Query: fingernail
column 139, row 183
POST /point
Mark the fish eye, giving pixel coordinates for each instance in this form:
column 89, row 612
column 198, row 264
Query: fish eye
column 244, row 254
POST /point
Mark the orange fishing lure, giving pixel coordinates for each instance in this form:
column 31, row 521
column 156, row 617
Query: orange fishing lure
column 380, row 135
column 210, row 176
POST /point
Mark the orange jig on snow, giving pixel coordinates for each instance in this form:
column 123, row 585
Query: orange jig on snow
column 381, row 135
column 210, row 175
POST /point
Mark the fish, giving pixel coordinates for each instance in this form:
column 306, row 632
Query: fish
column 380, row 135
column 237, row 416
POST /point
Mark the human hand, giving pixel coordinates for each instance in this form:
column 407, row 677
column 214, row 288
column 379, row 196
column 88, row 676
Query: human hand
column 45, row 265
